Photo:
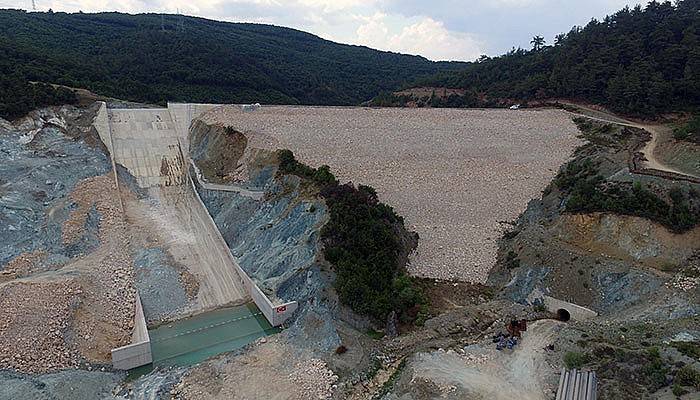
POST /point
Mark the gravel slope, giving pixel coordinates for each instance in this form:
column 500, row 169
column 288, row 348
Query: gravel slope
column 453, row 174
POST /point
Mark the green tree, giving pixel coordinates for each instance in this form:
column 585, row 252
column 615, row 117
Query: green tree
column 537, row 43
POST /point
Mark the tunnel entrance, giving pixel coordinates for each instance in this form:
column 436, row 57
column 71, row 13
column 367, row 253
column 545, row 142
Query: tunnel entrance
column 563, row 315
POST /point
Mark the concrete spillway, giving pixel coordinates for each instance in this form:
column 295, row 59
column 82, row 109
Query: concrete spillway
column 147, row 143
column 152, row 144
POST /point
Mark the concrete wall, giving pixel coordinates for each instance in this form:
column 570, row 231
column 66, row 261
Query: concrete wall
column 101, row 124
column 137, row 353
column 182, row 115
column 146, row 142
column 104, row 130
column 578, row 313
column 276, row 315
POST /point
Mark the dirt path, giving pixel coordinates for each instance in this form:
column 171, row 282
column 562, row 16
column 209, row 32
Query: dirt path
column 485, row 373
column 652, row 162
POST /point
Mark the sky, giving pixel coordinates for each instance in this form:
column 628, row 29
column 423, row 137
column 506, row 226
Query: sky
column 436, row 29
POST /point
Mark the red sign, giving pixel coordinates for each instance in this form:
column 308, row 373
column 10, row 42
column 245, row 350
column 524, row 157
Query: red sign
column 281, row 309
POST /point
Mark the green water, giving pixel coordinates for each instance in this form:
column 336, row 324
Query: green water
column 195, row 339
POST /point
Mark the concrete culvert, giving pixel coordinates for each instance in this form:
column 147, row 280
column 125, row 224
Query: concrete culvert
column 563, row 315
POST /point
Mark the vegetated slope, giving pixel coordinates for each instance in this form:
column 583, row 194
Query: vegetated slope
column 18, row 96
column 154, row 58
column 624, row 244
column 367, row 244
column 637, row 61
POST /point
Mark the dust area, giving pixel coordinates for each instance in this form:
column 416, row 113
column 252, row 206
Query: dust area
column 482, row 372
column 272, row 369
column 626, row 238
column 453, row 174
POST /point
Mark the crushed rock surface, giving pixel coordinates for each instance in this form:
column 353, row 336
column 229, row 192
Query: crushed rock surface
column 271, row 369
column 453, row 174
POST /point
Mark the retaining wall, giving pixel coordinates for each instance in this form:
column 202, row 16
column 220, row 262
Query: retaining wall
column 577, row 312
column 137, row 353
column 276, row 315
column 182, row 115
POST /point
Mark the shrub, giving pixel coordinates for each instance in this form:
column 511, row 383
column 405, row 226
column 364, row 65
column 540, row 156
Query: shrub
column 512, row 261
column 690, row 349
column 678, row 390
column 688, row 376
column 363, row 242
column 576, row 360
column 587, row 192
column 690, row 131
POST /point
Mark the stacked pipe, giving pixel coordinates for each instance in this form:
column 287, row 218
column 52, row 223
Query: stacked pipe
column 577, row 385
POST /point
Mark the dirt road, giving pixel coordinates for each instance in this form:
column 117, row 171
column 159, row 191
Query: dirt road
column 656, row 131
column 485, row 373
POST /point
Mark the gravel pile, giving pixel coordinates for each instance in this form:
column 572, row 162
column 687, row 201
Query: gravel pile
column 34, row 318
column 159, row 284
column 453, row 174
column 106, row 275
column 314, row 378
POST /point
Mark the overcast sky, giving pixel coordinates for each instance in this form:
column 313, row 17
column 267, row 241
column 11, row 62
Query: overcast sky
column 436, row 29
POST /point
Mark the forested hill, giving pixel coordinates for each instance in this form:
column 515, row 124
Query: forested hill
column 640, row 61
column 153, row 58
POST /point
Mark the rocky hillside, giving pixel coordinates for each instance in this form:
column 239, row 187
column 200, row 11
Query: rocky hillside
column 624, row 244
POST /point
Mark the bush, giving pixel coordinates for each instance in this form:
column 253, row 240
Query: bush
column 512, row 261
column 363, row 242
column 588, row 192
column 575, row 360
column 341, row 349
column 690, row 131
column 321, row 176
column 678, row 390
column 690, row 349
column 654, row 370
column 18, row 96
column 688, row 376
